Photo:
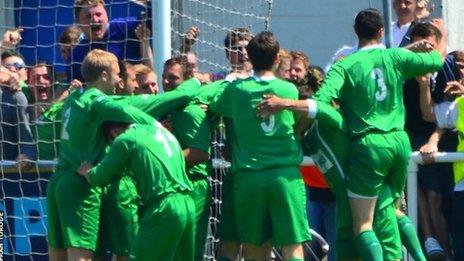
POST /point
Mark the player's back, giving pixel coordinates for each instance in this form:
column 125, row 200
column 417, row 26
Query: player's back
column 155, row 161
column 260, row 143
column 372, row 94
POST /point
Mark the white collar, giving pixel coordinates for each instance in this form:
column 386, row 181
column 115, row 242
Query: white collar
column 263, row 78
column 375, row 46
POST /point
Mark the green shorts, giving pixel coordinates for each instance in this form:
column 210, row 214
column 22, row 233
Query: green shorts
column 55, row 235
column 227, row 228
column 167, row 230
column 118, row 218
column 327, row 143
column 78, row 207
column 201, row 195
column 377, row 158
column 270, row 204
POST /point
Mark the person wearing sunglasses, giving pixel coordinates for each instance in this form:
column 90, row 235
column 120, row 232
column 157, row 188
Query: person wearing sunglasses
column 14, row 62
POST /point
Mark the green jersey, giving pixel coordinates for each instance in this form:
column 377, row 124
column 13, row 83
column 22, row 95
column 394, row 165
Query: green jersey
column 369, row 86
column 259, row 143
column 152, row 156
column 47, row 132
column 192, row 129
column 162, row 104
column 207, row 92
column 81, row 135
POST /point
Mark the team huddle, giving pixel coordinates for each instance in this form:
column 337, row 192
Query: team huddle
column 132, row 173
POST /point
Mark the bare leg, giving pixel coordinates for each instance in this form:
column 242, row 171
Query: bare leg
column 439, row 224
column 79, row 254
column 424, row 218
column 56, row 254
column 229, row 249
column 362, row 210
column 292, row 251
column 253, row 252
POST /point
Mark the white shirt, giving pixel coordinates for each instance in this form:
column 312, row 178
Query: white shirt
column 446, row 114
column 398, row 32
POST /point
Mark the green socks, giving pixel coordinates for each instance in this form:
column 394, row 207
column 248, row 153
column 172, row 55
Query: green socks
column 409, row 238
column 369, row 246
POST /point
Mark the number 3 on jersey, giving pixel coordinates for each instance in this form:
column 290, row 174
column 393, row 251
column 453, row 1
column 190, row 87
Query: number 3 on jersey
column 381, row 93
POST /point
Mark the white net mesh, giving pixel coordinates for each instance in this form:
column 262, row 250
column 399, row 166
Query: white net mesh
column 215, row 18
column 23, row 210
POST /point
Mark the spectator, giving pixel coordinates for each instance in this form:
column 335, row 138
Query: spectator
column 283, row 69
column 298, row 66
column 449, row 115
column 146, row 80
column 68, row 40
column 45, row 113
column 117, row 36
column 14, row 62
column 17, row 142
column 407, row 13
column 435, row 181
column 235, row 44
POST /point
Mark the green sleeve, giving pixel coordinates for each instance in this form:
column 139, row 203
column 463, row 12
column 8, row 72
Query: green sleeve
column 221, row 103
column 332, row 85
column 192, row 128
column 415, row 64
column 109, row 110
column 207, row 92
column 161, row 105
column 111, row 165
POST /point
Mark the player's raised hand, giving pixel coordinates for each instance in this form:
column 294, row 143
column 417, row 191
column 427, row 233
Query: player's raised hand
column 270, row 104
column 11, row 38
column 84, row 170
column 421, row 46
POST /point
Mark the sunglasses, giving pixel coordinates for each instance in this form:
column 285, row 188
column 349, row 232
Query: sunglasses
column 16, row 65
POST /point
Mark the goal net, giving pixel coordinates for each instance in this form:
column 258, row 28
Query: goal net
column 23, row 208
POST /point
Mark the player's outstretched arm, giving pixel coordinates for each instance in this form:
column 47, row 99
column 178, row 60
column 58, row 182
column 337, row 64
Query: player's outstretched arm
column 272, row 104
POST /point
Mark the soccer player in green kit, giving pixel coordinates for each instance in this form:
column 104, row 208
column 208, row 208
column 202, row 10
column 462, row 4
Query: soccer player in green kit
column 74, row 206
column 368, row 86
column 265, row 159
column 192, row 129
column 155, row 161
